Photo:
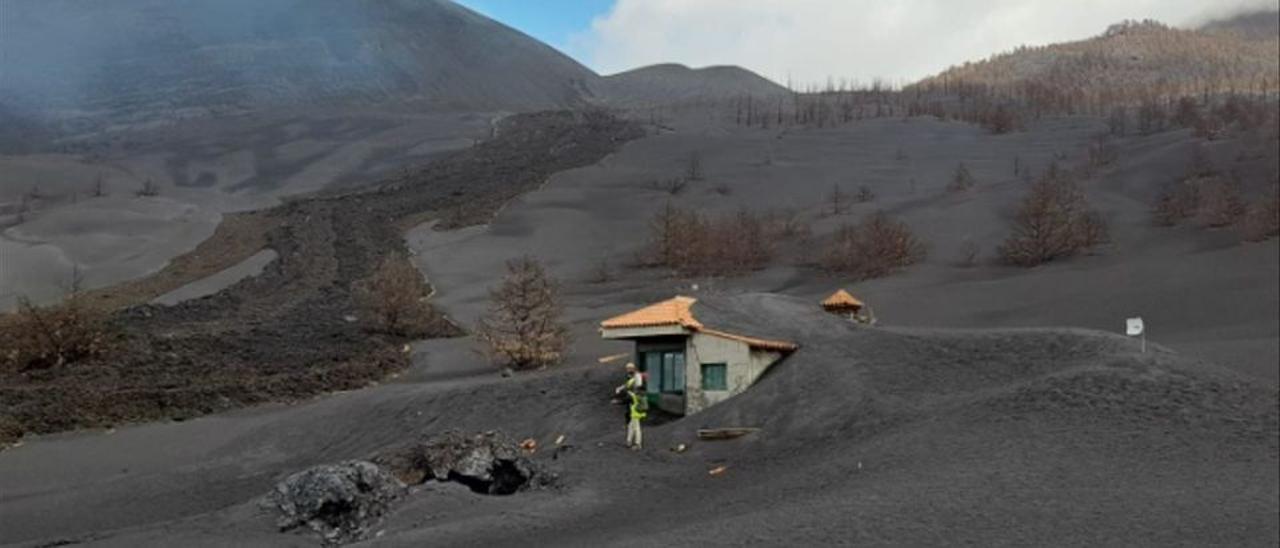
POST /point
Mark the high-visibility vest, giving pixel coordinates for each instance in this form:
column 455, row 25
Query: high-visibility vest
column 636, row 411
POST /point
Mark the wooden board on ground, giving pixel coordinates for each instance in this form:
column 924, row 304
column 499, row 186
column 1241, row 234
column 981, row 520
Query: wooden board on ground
column 724, row 433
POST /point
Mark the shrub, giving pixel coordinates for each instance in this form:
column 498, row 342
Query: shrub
column 718, row 245
column 53, row 336
column 1176, row 204
column 1220, row 203
column 1054, row 221
column 1212, row 200
column 1262, row 220
column 1000, row 120
column 876, row 247
column 394, row 297
column 961, row 180
column 523, row 328
column 10, row 429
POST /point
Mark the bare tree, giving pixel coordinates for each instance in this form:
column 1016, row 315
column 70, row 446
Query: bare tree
column 394, row 298
column 864, row 195
column 968, row 253
column 1262, row 221
column 523, row 328
column 666, row 230
column 99, row 188
column 148, row 189
column 24, row 209
column 1054, row 221
column 693, row 166
column 673, row 186
column 838, row 200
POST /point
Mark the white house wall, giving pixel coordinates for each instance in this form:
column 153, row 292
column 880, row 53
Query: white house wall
column 743, row 367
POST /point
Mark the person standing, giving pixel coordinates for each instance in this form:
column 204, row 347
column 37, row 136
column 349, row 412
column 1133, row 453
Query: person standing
column 637, row 410
column 635, row 381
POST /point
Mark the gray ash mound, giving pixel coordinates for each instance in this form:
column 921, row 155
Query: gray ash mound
column 843, row 372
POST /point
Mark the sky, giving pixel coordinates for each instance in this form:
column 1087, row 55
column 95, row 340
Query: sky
column 811, row 41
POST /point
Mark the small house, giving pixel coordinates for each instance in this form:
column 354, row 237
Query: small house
column 844, row 304
column 694, row 354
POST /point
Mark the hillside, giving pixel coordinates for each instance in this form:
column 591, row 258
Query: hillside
column 144, row 60
column 675, row 83
column 1260, row 25
column 1131, row 60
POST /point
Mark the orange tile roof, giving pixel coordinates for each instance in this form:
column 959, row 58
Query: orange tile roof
column 842, row 299
column 678, row 311
column 674, row 311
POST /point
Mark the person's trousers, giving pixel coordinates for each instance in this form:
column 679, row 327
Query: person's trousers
column 633, row 433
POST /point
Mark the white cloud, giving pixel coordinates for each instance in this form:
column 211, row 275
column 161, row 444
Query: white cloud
column 899, row 40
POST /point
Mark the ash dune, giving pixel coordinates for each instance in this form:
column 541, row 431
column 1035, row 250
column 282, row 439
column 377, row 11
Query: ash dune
column 1055, row 426
column 1174, row 277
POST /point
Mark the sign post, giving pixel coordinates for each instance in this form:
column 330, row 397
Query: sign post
column 1133, row 327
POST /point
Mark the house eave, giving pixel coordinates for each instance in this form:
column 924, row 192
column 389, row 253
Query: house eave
column 625, row 333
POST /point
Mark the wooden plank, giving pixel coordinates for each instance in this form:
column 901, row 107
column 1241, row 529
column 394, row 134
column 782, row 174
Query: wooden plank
column 725, row 433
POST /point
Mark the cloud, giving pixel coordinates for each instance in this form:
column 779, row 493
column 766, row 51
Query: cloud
column 813, row 40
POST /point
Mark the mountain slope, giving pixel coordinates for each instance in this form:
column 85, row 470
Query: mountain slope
column 135, row 60
column 1259, row 25
column 675, row 83
column 1134, row 58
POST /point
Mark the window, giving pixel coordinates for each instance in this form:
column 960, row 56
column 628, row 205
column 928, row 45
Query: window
column 673, row 372
column 665, row 371
column 715, row 376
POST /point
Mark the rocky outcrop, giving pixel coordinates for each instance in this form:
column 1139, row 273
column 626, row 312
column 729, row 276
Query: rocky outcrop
column 488, row 463
column 339, row 501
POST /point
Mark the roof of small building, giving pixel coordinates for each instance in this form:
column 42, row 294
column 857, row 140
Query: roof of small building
column 681, row 311
column 675, row 311
column 842, row 299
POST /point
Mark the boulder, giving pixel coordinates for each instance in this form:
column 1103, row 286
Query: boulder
column 488, row 463
column 339, row 501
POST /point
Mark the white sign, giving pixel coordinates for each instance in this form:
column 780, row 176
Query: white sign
column 1133, row 327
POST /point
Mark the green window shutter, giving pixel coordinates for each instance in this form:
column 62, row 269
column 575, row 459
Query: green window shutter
column 715, row 376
